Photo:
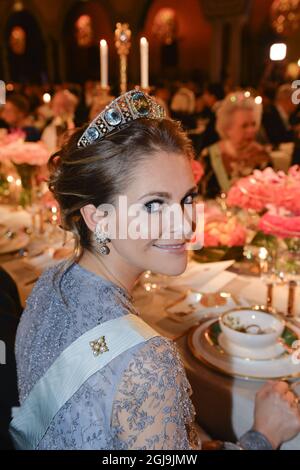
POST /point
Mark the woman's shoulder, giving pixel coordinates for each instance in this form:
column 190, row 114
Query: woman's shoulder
column 63, row 305
column 153, row 391
column 155, row 360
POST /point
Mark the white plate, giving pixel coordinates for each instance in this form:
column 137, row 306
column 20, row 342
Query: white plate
column 20, row 241
column 210, row 353
column 260, row 354
column 195, row 305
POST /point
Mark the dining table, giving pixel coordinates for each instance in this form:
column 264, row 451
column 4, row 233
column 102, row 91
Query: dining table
column 224, row 402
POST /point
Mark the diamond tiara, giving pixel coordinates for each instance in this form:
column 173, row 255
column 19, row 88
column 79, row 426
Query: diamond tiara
column 129, row 106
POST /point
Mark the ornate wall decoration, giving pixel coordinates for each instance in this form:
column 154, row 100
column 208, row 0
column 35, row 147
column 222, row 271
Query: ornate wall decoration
column 84, row 31
column 17, row 40
column 165, row 26
column 285, row 16
column 223, row 8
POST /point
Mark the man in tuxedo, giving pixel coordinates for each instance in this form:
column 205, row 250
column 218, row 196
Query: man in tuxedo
column 276, row 117
column 10, row 311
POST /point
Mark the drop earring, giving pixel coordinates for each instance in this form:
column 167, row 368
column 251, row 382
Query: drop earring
column 101, row 238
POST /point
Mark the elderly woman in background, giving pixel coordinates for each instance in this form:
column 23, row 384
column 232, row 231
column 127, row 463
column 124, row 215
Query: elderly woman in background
column 237, row 153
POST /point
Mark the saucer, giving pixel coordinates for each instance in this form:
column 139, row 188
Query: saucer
column 271, row 352
column 203, row 342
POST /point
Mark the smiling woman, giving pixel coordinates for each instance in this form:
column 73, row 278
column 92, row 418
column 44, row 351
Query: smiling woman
column 92, row 374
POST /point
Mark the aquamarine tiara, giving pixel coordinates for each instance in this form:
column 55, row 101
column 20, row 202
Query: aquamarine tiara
column 133, row 104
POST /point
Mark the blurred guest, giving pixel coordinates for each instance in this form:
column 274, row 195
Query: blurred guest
column 295, row 122
column 183, row 107
column 276, row 117
column 162, row 95
column 3, row 124
column 63, row 106
column 99, row 100
column 81, row 115
column 44, row 115
column 212, row 97
column 16, row 114
column 238, row 152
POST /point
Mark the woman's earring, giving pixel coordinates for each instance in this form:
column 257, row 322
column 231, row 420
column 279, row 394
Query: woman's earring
column 101, row 239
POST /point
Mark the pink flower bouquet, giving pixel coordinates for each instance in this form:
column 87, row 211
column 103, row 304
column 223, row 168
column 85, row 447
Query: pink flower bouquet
column 26, row 157
column 282, row 226
column 267, row 187
column 275, row 193
column 258, row 190
column 224, row 231
column 19, row 152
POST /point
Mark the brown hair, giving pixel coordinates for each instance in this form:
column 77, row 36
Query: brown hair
column 96, row 174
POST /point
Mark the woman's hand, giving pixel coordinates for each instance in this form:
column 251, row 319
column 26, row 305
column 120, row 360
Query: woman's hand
column 277, row 413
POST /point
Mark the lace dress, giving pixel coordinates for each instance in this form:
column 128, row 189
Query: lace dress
column 140, row 400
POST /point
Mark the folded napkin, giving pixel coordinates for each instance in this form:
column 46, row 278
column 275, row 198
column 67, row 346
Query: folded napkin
column 153, row 306
column 199, row 274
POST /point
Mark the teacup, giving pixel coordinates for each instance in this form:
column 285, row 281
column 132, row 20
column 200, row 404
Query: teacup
column 251, row 328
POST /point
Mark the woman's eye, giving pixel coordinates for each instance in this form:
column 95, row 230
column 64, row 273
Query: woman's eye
column 153, row 206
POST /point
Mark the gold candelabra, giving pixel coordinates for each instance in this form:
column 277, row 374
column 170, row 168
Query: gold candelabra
column 122, row 43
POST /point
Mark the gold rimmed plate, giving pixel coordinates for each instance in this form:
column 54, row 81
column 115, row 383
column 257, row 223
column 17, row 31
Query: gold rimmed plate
column 203, row 342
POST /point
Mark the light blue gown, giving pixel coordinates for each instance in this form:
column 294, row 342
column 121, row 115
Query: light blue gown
column 140, row 400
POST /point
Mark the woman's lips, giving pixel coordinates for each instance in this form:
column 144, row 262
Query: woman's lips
column 172, row 248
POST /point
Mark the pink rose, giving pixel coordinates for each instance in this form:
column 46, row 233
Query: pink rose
column 279, row 225
column 19, row 152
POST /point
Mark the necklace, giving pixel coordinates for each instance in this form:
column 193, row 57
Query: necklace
column 117, row 282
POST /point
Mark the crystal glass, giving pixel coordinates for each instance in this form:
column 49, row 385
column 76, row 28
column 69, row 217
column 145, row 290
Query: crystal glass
column 288, row 260
column 153, row 282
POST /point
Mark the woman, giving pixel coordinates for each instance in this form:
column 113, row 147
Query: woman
column 237, row 153
column 92, row 374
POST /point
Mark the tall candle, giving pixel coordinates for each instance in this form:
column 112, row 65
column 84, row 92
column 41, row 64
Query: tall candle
column 144, row 50
column 104, row 63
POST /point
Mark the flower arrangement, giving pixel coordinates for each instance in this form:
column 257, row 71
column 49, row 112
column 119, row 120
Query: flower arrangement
column 20, row 152
column 257, row 190
column 26, row 158
column 224, row 231
column 267, row 188
column 275, row 195
column 283, row 225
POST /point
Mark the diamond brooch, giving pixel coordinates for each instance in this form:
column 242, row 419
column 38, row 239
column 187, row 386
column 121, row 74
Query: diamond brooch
column 99, row 346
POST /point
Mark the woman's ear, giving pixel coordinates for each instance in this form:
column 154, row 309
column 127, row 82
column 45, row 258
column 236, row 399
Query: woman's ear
column 91, row 216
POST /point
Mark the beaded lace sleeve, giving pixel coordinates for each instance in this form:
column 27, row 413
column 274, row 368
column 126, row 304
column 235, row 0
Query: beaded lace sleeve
column 152, row 407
